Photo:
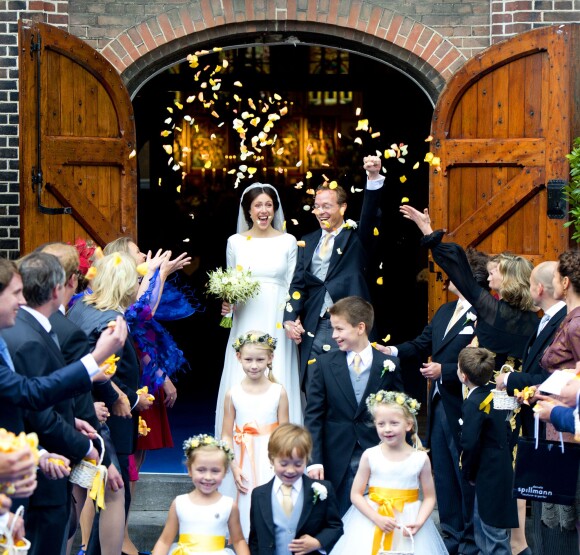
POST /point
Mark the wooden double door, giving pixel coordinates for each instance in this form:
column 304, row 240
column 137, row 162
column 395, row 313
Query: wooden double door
column 501, row 127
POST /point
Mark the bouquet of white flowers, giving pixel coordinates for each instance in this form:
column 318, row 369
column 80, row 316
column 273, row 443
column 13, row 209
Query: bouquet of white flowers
column 234, row 285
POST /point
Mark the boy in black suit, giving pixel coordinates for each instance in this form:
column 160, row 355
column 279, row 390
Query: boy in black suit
column 336, row 413
column 292, row 513
column 486, row 455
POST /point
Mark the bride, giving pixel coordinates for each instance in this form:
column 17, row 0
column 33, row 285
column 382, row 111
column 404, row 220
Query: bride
column 262, row 246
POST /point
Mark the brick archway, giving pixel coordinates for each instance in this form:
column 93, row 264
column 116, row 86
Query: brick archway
column 419, row 51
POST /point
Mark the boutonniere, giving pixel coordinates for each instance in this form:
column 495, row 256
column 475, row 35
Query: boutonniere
column 350, row 224
column 388, row 366
column 320, row 492
column 470, row 317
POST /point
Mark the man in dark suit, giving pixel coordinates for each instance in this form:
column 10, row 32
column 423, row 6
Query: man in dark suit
column 451, row 329
column 36, row 353
column 336, row 414
column 532, row 373
column 18, row 392
column 542, row 291
column 331, row 265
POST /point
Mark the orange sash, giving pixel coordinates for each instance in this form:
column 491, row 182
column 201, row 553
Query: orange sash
column 389, row 501
column 245, row 439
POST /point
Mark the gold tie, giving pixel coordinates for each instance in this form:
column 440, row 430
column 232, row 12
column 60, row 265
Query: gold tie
column 455, row 317
column 356, row 365
column 287, row 504
column 324, row 251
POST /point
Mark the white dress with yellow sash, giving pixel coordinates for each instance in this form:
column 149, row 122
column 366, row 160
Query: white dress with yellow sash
column 256, row 419
column 202, row 528
column 392, row 482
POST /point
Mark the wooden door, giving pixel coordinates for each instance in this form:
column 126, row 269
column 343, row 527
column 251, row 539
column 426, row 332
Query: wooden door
column 501, row 128
column 77, row 136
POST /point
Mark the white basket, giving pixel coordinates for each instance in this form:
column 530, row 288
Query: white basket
column 502, row 401
column 383, row 551
column 9, row 548
column 83, row 473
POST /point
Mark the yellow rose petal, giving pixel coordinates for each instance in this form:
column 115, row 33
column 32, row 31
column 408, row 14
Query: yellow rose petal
column 301, row 243
column 91, row 273
column 405, row 199
column 278, row 326
column 312, row 361
column 416, row 165
column 379, row 281
column 142, row 268
column 296, row 295
column 402, row 179
column 248, row 237
column 308, row 175
column 387, row 338
column 375, row 232
column 333, row 185
column 428, row 157
column 429, row 139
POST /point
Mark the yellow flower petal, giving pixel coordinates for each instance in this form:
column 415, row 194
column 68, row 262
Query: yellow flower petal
column 312, row 361
column 296, row 295
column 402, row 179
column 333, row 185
column 116, row 259
column 168, row 149
column 91, row 273
column 308, row 174
column 379, row 281
column 436, row 161
column 278, row 326
column 248, row 237
column 387, row 338
column 301, row 243
column 405, row 199
column 416, row 165
column 375, row 232
column 207, row 165
column 428, row 157
column 429, row 139
column 142, row 268
column 237, row 84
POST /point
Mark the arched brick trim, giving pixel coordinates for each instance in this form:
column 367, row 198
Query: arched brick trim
column 426, row 55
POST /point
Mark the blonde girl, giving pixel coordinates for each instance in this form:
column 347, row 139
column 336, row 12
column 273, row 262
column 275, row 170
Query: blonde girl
column 204, row 516
column 393, row 471
column 253, row 409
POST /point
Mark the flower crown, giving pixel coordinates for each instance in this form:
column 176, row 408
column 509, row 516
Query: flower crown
column 254, row 338
column 393, row 397
column 204, row 440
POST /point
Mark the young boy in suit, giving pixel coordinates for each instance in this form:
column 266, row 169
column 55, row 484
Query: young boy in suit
column 292, row 513
column 336, row 414
column 486, row 457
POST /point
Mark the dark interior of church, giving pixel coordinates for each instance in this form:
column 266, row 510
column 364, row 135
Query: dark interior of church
column 188, row 201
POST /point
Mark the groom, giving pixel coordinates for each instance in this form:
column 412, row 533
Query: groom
column 331, row 265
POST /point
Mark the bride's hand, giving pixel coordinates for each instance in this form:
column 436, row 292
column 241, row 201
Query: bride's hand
column 227, row 308
column 422, row 219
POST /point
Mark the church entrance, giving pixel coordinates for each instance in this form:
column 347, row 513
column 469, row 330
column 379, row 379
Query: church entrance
column 335, row 107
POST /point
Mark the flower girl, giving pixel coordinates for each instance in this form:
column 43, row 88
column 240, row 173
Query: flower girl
column 203, row 516
column 253, row 409
column 393, row 470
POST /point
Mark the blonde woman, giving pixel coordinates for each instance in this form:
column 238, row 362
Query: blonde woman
column 114, row 289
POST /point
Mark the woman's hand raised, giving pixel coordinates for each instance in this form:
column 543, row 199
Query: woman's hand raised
column 422, row 219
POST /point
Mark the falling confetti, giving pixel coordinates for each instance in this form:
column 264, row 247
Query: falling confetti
column 404, row 199
column 379, row 281
column 402, row 179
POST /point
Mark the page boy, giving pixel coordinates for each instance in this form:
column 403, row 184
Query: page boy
column 292, row 513
column 486, row 457
column 336, row 414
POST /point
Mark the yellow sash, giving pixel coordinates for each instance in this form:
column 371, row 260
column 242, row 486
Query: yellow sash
column 244, row 437
column 389, row 501
column 196, row 543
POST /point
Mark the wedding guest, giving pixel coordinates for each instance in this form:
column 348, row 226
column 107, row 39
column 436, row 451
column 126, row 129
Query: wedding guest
column 336, row 414
column 262, row 245
column 331, row 265
column 504, row 325
column 486, row 455
column 293, row 513
column 35, row 352
column 18, row 392
column 114, row 289
column 564, row 352
column 450, row 330
column 160, row 356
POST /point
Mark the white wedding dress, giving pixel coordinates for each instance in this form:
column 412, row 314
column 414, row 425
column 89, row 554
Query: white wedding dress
column 272, row 261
